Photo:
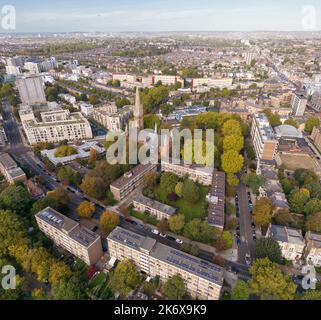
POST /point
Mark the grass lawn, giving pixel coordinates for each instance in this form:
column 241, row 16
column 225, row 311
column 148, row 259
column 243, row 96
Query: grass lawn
column 147, row 218
column 191, row 211
column 99, row 279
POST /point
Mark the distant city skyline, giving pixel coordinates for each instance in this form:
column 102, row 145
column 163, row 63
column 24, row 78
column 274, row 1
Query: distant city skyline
column 166, row 15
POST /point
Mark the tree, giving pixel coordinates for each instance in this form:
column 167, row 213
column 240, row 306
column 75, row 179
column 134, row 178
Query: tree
column 151, row 120
column 312, row 207
column 268, row 281
column 174, row 288
column 304, row 177
column 65, row 151
column 313, row 222
column 86, row 209
column 95, row 187
column 191, row 191
column 311, row 295
column 262, row 212
column 125, row 277
column 232, row 127
column 162, row 226
column 108, row 221
column 232, row 180
column 198, row 230
column 225, row 241
column 233, row 142
column 179, row 189
column 232, row 162
column 241, row 291
column 298, row 199
column 150, row 179
column 67, row 174
column 253, row 181
column 66, row 290
column 292, row 122
column 232, row 224
column 93, row 156
column 168, row 182
column 59, row 271
column 311, row 123
column 59, row 199
column 192, row 249
column 268, row 248
column 15, row 198
column 177, row 223
column 12, row 231
column 283, row 217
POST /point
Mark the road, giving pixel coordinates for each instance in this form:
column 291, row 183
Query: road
column 247, row 242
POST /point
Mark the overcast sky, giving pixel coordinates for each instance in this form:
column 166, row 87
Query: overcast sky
column 164, row 15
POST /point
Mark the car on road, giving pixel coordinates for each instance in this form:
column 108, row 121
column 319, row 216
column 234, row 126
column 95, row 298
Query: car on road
column 134, row 223
column 254, row 236
column 179, row 241
column 94, row 229
column 238, row 240
column 170, row 238
column 163, row 235
column 128, row 220
column 253, row 225
column 154, row 231
column 248, row 259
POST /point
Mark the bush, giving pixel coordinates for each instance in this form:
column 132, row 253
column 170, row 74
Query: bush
column 65, row 151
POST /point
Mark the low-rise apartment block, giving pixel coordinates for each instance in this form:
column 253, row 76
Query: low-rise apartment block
column 126, row 184
column 263, row 138
column 316, row 137
column 200, row 174
column 313, row 248
column 203, row 280
column 55, row 126
column 70, row 235
column 112, row 119
column 153, row 207
column 212, row 83
column 290, row 240
column 10, row 169
column 216, row 199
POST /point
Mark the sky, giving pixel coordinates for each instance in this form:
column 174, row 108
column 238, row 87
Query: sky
column 165, row 15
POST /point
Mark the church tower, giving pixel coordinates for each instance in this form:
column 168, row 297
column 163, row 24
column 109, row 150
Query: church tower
column 138, row 112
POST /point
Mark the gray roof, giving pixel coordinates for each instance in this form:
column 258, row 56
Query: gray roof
column 287, row 131
column 182, row 260
column 285, row 234
column 315, row 238
column 164, row 208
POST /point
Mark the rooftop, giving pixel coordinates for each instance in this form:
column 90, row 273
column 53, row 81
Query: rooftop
column 82, row 235
column 286, row 234
column 7, row 162
column 199, row 267
column 264, row 126
column 156, row 205
column 287, row 131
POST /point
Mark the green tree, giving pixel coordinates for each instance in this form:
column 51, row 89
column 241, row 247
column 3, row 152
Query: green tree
column 168, row 182
column 253, row 181
column 177, row 223
column 179, row 189
column 232, row 180
column 241, row 291
column 150, row 120
column 59, row 199
column 233, row 142
column 268, row 281
column 311, row 123
column 232, row 162
column 150, row 179
column 109, row 220
column 191, row 191
column 192, row 249
column 67, row 290
column 292, row 122
column 94, row 186
column 312, row 207
column 125, row 278
column 283, row 217
column 298, row 199
column 174, row 288
column 225, row 241
column 268, row 248
column 199, row 231
column 311, row 295
column 15, row 198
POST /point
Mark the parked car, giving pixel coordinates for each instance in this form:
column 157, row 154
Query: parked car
column 170, row 238
column 248, row 259
column 94, row 229
column 134, row 223
column 179, row 241
column 154, row 231
column 163, row 235
column 238, row 241
column 128, row 220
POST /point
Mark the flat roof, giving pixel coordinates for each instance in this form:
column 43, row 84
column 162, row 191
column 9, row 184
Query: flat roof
column 286, row 234
column 182, row 260
column 264, row 127
column 131, row 175
column 156, row 205
column 7, row 161
column 195, row 167
column 81, row 234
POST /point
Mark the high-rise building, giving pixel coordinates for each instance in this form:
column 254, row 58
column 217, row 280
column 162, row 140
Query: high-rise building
column 203, row 279
column 316, row 101
column 31, row 90
column 316, row 137
column 138, row 112
column 299, row 104
column 263, row 137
